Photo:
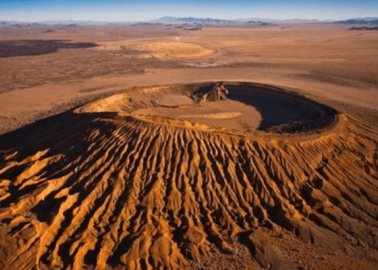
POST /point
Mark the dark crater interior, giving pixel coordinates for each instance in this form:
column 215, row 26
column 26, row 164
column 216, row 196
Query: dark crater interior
column 281, row 111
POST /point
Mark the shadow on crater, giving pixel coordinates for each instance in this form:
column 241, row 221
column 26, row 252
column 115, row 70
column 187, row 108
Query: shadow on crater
column 282, row 111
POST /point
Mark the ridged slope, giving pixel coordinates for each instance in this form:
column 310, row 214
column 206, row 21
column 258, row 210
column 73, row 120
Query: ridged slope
column 105, row 191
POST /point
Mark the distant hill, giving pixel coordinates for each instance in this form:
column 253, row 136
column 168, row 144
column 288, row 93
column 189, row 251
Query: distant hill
column 70, row 23
column 277, row 21
column 360, row 21
column 364, row 28
column 260, row 23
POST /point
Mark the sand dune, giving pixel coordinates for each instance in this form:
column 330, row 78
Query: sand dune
column 100, row 187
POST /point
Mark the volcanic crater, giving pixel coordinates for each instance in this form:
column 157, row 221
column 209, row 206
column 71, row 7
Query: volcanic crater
column 243, row 107
column 201, row 176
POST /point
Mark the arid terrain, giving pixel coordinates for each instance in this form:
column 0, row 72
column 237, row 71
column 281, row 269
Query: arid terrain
column 154, row 146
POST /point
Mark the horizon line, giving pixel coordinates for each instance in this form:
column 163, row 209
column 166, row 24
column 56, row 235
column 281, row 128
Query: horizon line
column 193, row 17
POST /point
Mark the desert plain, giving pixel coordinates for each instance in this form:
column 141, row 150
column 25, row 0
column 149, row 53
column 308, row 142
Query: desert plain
column 153, row 146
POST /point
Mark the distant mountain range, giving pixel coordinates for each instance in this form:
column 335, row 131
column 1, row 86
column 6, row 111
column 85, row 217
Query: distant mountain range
column 192, row 20
column 368, row 21
column 262, row 21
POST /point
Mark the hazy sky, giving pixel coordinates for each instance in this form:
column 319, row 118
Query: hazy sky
column 127, row 10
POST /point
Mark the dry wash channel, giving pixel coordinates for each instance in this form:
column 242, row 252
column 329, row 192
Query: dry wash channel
column 217, row 176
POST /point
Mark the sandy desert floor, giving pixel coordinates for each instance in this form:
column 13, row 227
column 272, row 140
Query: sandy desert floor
column 151, row 146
